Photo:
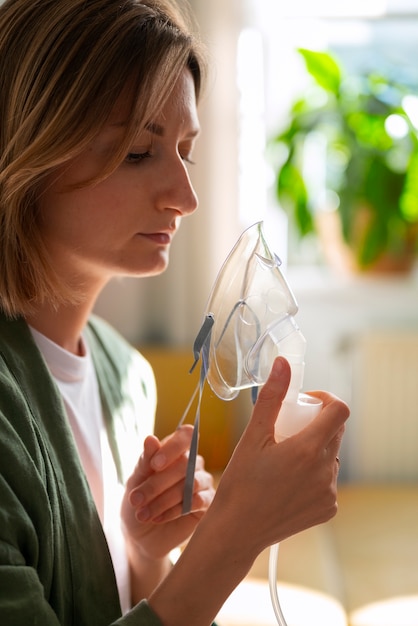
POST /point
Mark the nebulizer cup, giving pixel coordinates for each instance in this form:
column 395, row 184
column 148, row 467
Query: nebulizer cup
column 250, row 321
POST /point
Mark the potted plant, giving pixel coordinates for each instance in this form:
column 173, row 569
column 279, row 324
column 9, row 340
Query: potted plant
column 351, row 159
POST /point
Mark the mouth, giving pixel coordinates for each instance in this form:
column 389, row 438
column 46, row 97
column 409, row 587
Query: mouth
column 160, row 238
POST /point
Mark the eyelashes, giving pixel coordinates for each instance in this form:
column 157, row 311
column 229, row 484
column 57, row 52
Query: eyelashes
column 135, row 158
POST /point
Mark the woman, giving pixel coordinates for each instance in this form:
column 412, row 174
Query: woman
column 98, row 121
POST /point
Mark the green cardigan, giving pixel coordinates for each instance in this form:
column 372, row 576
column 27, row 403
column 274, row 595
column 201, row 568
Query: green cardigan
column 55, row 568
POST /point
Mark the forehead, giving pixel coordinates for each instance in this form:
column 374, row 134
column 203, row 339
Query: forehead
column 180, row 107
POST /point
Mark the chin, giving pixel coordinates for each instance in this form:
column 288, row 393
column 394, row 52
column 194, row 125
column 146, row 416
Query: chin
column 158, row 266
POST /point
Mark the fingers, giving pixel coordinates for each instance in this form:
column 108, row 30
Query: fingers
column 270, row 400
column 143, row 467
column 172, row 447
column 334, row 445
column 151, row 446
column 155, row 489
column 161, row 497
column 328, row 427
column 322, row 439
column 159, row 482
column 169, row 506
column 159, row 454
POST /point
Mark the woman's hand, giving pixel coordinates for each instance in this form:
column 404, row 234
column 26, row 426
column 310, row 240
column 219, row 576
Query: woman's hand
column 279, row 489
column 152, row 506
column 151, row 512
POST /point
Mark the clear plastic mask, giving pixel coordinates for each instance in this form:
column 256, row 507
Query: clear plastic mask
column 249, row 321
column 252, row 307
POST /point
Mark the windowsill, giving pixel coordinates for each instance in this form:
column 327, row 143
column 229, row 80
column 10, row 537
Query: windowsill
column 313, row 277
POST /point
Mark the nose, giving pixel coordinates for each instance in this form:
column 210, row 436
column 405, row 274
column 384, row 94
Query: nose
column 179, row 193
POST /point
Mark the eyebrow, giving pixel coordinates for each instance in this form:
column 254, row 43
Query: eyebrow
column 157, row 129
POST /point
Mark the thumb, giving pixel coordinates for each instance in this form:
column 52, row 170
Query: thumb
column 270, row 398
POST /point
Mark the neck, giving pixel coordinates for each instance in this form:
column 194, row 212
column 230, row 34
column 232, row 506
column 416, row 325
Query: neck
column 63, row 326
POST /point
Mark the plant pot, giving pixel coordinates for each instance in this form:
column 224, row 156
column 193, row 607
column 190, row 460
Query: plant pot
column 343, row 258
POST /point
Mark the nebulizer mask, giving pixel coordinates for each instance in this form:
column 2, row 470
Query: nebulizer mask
column 249, row 321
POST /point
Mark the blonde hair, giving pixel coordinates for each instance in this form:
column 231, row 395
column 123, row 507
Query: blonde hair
column 63, row 64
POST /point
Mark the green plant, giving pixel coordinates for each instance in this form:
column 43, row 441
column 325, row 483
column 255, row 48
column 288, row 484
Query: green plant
column 362, row 127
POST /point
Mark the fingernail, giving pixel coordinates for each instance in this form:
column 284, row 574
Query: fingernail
column 158, row 461
column 137, row 498
column 278, row 366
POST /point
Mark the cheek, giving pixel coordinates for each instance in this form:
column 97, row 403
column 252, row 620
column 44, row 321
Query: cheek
column 95, row 209
column 121, row 198
column 67, row 216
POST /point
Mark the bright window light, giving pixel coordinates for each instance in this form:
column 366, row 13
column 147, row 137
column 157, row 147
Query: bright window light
column 252, row 168
column 328, row 8
column 410, row 104
column 396, row 126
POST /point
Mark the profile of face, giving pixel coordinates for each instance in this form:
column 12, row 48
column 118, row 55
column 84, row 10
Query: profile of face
column 124, row 224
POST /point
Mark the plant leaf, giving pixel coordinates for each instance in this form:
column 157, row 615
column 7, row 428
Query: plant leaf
column 292, row 195
column 408, row 203
column 323, row 68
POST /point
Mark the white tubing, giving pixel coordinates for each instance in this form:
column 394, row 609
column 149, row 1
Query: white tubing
column 292, row 418
column 273, row 560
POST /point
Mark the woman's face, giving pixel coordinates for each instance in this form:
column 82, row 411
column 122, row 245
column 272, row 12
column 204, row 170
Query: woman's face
column 124, row 225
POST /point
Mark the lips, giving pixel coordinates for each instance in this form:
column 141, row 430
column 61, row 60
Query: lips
column 163, row 239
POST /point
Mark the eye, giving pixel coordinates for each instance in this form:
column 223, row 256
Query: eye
column 185, row 151
column 137, row 157
column 188, row 159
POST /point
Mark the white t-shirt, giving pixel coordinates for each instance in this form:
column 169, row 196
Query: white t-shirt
column 77, row 382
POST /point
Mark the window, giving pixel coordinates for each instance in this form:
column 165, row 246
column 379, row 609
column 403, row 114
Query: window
column 377, row 35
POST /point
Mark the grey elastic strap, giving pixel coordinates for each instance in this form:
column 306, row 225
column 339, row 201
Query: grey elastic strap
column 201, row 351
